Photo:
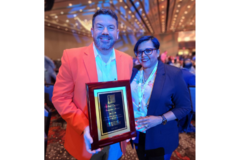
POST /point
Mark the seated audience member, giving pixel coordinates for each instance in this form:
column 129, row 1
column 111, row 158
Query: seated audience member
column 49, row 70
column 194, row 65
column 189, row 78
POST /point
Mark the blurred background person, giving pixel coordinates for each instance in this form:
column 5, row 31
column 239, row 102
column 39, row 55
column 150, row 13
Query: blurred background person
column 49, row 70
column 57, row 64
column 190, row 80
column 181, row 61
column 164, row 57
column 193, row 68
column 187, row 63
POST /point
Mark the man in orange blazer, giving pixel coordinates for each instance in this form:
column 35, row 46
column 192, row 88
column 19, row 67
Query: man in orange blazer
column 95, row 63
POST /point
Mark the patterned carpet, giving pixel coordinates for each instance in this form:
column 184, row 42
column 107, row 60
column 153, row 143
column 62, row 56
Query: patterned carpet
column 55, row 149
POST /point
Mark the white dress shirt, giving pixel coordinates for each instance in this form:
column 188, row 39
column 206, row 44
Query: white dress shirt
column 108, row 72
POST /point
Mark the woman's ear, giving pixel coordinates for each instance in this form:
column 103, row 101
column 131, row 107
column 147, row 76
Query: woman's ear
column 158, row 53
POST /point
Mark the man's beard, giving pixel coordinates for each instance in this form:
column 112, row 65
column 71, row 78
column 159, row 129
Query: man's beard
column 101, row 45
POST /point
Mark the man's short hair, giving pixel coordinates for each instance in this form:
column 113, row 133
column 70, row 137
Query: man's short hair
column 105, row 12
column 154, row 40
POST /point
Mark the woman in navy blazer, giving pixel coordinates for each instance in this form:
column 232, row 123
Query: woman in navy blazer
column 160, row 98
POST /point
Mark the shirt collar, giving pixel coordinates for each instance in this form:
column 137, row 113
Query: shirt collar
column 96, row 53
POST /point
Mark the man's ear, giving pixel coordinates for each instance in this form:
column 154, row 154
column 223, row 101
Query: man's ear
column 117, row 33
column 92, row 31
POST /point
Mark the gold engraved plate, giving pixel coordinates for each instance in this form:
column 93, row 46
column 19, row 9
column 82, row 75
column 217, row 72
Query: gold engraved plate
column 111, row 99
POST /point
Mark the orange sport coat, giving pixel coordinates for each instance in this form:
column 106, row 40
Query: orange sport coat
column 69, row 95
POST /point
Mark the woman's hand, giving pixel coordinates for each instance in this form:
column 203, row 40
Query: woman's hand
column 148, row 122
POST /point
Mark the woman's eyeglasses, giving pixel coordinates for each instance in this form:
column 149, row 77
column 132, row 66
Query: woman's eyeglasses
column 147, row 52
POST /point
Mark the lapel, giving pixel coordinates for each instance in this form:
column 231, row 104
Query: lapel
column 120, row 65
column 90, row 63
column 135, row 71
column 157, row 88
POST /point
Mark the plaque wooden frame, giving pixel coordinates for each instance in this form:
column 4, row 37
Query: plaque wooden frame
column 93, row 126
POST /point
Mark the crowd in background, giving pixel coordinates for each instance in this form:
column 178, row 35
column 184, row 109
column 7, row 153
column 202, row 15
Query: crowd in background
column 187, row 62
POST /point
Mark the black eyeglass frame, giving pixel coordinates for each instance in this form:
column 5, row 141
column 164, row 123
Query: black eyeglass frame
column 147, row 54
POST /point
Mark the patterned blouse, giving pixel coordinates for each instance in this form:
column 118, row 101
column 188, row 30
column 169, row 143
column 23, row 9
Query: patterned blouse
column 142, row 111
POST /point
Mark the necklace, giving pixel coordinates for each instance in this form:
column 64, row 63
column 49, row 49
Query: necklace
column 142, row 89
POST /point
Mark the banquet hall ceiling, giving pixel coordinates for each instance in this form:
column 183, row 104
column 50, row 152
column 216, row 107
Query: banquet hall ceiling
column 134, row 16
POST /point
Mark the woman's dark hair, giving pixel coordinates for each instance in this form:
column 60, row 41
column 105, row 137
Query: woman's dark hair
column 105, row 12
column 154, row 40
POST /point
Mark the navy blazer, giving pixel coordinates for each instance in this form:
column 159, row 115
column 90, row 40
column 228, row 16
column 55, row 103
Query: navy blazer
column 169, row 93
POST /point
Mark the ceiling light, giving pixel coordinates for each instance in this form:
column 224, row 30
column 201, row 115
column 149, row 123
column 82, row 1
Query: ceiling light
column 175, row 15
column 185, row 12
column 162, row 6
column 70, row 4
column 143, row 14
column 67, row 20
column 132, row 16
column 80, row 10
column 135, row 19
column 62, row 12
column 188, row 6
column 98, row 8
column 129, row 12
column 56, row 16
column 177, row 10
column 76, row 24
column 120, row 0
column 162, row 16
column 179, row 5
column 49, row 24
column 89, row 2
column 162, row 12
column 125, row 7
